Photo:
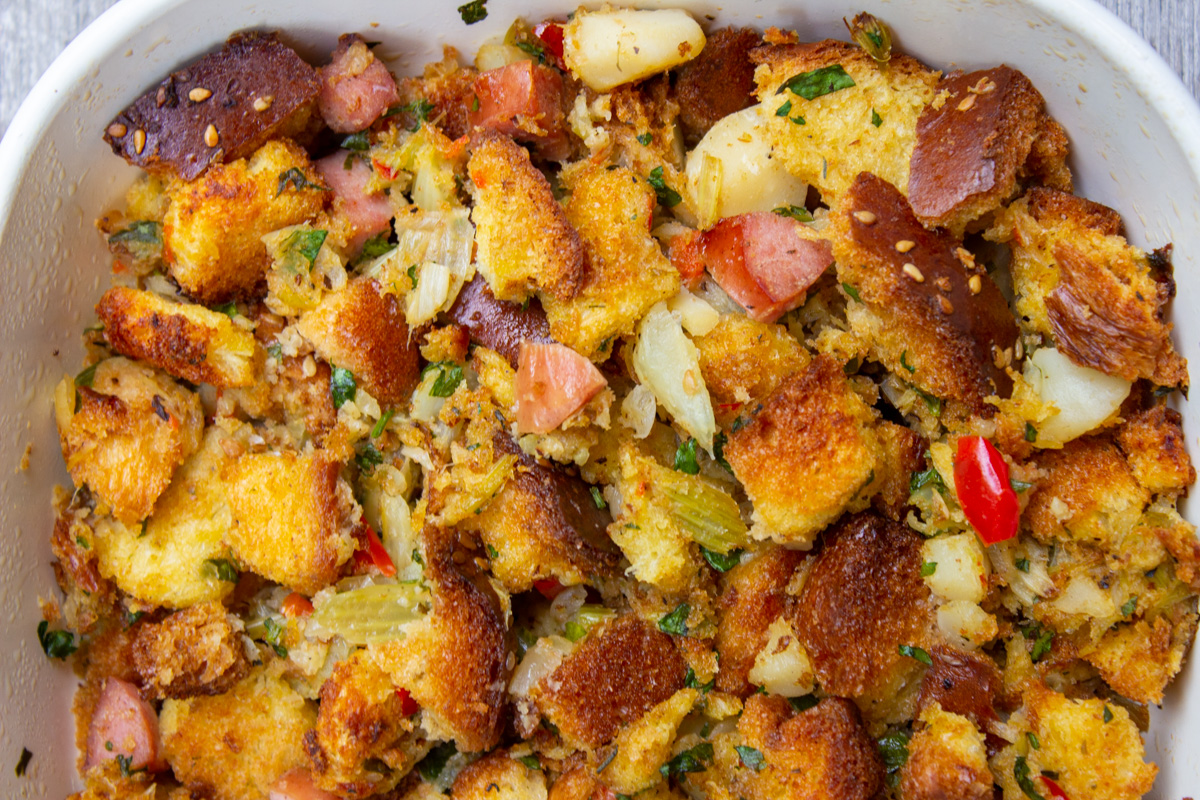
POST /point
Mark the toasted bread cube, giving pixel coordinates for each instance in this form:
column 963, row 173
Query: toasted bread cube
column 125, row 432
column 499, row 776
column 946, row 758
column 963, row 683
column 212, row 232
column 718, row 82
column 628, row 272
column 1076, row 279
column 363, row 330
column 233, row 746
column 293, row 517
column 525, row 243
column 1156, row 451
column 166, row 561
column 807, row 456
column 1139, row 659
column 853, row 626
column 616, row 675
column 829, row 140
column 88, row 596
column 186, row 340
column 643, row 746
column 197, row 650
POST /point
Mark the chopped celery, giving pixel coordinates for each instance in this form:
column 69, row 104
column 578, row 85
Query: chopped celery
column 709, row 515
column 370, row 614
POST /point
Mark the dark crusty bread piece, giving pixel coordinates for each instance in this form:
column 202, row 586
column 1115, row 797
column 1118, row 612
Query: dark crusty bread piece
column 717, row 82
column 260, row 89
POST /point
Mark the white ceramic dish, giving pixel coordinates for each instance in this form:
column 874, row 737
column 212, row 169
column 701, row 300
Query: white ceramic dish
column 1135, row 132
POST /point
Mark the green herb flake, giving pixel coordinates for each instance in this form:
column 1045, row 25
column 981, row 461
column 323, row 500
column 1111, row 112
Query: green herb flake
column 23, row 762
column 412, row 275
column 1021, row 773
column 142, row 232
column 125, row 763
column 357, row 142
column 305, row 244
column 751, row 757
column 1030, row 432
column 666, row 195
column 473, row 12
column 799, row 120
column 376, row 246
column 904, row 362
column 275, row 350
column 450, row 375
column 275, row 633
column 916, row 653
column 784, row 109
column 893, row 751
column 685, row 457
column 1034, row 742
column 929, row 477
column 531, row 762
column 55, row 644
column 574, row 631
column 228, row 309
column 876, row 120
column 1019, row 486
column 1042, row 645
column 934, row 404
column 1108, row 715
column 475, row 102
column 692, row 760
column 645, row 139
column 86, row 376
column 130, row 617
column 850, row 290
column 928, row 568
column 675, row 623
column 381, row 425
column 798, row 213
column 416, row 557
column 690, row 681
column 296, row 178
column 1129, row 606
column 598, row 497
column 719, row 442
column 534, row 50
column 719, row 562
column 342, row 386
column 432, row 765
column 818, row 82
column 804, row 702
column 225, row 570
column 368, row 458
column 86, row 545
column 1023, row 564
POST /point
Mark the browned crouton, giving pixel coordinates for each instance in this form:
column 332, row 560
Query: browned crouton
column 498, row 776
column 829, row 140
column 617, row 674
column 824, row 752
column 752, row 597
column 544, row 524
column 628, row 272
column 946, row 758
column 360, row 718
column 1103, row 301
column 89, row 595
column 233, row 746
column 743, row 361
column 363, row 330
column 448, row 87
column 961, row 683
column 186, row 340
column 1139, row 659
column 973, row 149
column 903, row 454
column 124, row 431
column 454, row 662
column 293, row 517
column 499, row 325
column 643, row 746
column 524, row 240
column 807, row 455
column 306, row 397
column 717, row 82
column 1156, row 450
column 863, row 600
column 933, row 316
column 220, row 108
column 213, row 226
column 194, row 651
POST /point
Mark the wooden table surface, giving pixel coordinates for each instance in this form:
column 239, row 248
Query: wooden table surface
column 33, row 32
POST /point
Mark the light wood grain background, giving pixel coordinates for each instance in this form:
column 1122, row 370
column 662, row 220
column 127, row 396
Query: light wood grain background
column 33, row 32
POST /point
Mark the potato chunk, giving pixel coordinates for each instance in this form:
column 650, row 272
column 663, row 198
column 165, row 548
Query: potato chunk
column 213, row 226
column 186, row 340
column 124, row 432
column 293, row 517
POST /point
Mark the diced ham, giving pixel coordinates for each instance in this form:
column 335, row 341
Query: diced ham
column 763, row 262
column 553, row 382
column 124, row 725
column 368, row 214
column 356, row 88
column 523, row 100
column 297, row 785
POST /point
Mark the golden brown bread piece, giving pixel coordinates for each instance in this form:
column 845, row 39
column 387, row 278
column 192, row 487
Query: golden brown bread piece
column 973, row 148
column 947, row 759
column 89, row 595
column 752, row 597
column 963, row 683
column 617, row 674
column 499, row 776
column 196, row 650
column 1138, row 660
column 1156, row 450
column 807, row 455
column 938, row 323
column 183, row 339
column 363, row 330
column 499, row 325
column 903, row 453
column 717, row 82
column 864, row 599
column 448, row 86
column 524, row 240
column 253, row 89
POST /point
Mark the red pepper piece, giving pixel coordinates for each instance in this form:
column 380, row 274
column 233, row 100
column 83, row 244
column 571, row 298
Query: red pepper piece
column 408, row 706
column 551, row 35
column 1054, row 789
column 987, row 498
column 296, row 605
column 549, row 588
column 373, row 555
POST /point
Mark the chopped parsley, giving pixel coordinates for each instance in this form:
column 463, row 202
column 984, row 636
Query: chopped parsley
column 86, row 376
column 381, row 425
column 1129, row 606
column 876, row 120
column 666, row 195
column 929, row 477
column 1043, row 641
column 916, row 653
column 305, row 244
column 692, row 760
column 645, row 139
column 934, row 404
column 818, row 82
column 342, row 386
column 676, row 622
column 432, row 765
column 692, row 682
column 904, row 362
column 357, row 142
column 1021, row 773
column 125, row 763
column 597, row 497
column 55, row 644
column 534, row 50
column 419, row 108
column 473, row 12
column 142, row 232
column 719, row 442
column 492, row 552
column 275, row 350
column 412, row 275
column 376, row 246
column 23, row 762
column 1023, row 564
column 86, row 545
column 719, row 562
column 804, row 702
column 531, row 762
column 893, row 751
column 685, row 457
column 1108, row 715
column 296, row 178
column 1019, row 486
column 784, row 109
column 368, row 458
column 798, row 213
column 275, row 633
column 850, row 290
column 797, row 120
column 1030, row 432
column 1034, row 742
column 751, row 757
column 928, row 568
column 225, row 570
column 416, row 557
column 450, row 375
column 228, row 309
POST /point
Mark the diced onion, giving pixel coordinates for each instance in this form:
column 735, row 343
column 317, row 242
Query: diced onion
column 965, row 624
column 639, row 410
column 605, row 49
column 494, row 56
column 697, row 316
column 782, row 666
column 959, row 567
column 666, row 361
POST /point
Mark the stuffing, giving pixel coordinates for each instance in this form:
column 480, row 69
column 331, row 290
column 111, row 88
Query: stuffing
column 499, row 776
column 1155, row 450
column 124, row 429
column 1140, row 658
column 197, row 650
column 88, row 595
column 185, row 340
column 213, row 226
column 717, row 82
column 448, row 87
column 946, row 758
column 643, row 746
column 962, row 683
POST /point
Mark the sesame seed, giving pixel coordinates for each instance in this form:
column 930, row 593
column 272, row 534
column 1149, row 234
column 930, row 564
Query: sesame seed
column 210, row 135
column 947, row 306
column 1019, row 348
column 975, row 284
column 943, row 283
column 459, row 557
column 139, row 141
column 117, row 130
column 967, row 102
column 911, row 271
column 904, row 245
column 511, row 661
column 865, row 217
column 199, row 94
column 263, row 103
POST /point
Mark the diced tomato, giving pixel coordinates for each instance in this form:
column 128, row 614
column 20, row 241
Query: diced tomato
column 553, row 382
column 125, row 725
column 408, row 706
column 523, row 100
column 297, row 785
column 551, row 35
column 372, row 554
column 986, row 496
column 763, row 262
column 549, row 588
column 687, row 257
column 368, row 214
column 356, row 88
column 296, row 605
column 1054, row 789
